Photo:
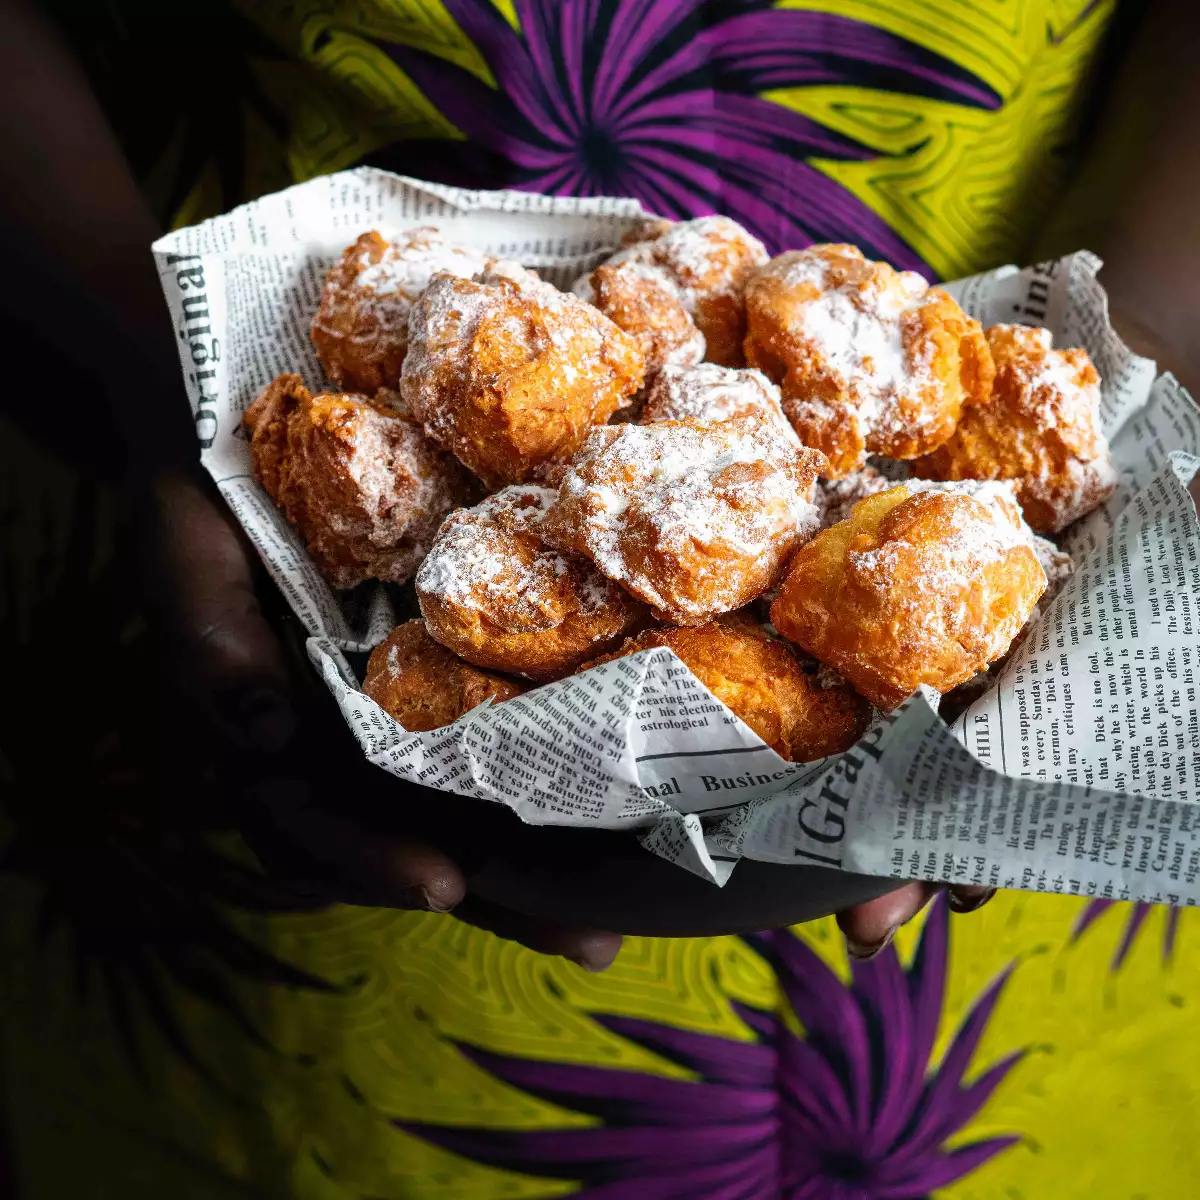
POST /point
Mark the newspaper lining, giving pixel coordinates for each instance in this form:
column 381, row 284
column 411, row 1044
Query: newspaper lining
column 1078, row 771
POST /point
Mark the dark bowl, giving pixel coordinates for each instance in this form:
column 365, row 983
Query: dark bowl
column 607, row 880
column 593, row 877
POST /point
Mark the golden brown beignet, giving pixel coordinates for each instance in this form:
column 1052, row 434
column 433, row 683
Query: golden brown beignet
column 1041, row 430
column 360, row 331
column 870, row 360
column 423, row 685
column 509, row 374
column 357, row 478
column 914, row 588
column 707, row 262
column 695, row 519
column 494, row 592
column 648, row 307
column 799, row 715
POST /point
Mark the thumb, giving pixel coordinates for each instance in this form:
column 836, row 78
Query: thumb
column 200, row 586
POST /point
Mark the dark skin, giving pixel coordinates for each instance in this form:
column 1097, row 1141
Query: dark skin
column 71, row 212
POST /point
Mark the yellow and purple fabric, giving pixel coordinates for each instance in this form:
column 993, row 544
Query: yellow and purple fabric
column 1044, row 1047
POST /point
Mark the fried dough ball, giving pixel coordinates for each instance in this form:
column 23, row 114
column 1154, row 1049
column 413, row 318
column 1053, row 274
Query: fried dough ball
column 647, row 306
column 759, row 679
column 496, row 594
column 358, row 479
column 914, row 588
column 361, row 329
column 1001, row 494
column 1041, row 430
column 1057, row 565
column 708, row 392
column 509, row 373
column 695, row 519
column 706, row 262
column 423, row 685
column 870, row 360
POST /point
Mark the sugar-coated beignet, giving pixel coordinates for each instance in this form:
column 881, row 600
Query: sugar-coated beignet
column 1001, row 494
column 914, row 588
column 799, row 715
column 496, row 594
column 423, row 685
column 1041, row 430
column 509, row 373
column 358, row 479
column 870, row 360
column 695, row 519
column 1057, row 565
column 707, row 262
column 361, row 329
column 648, row 307
column 708, row 392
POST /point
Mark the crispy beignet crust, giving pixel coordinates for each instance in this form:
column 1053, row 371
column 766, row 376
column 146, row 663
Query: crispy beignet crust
column 496, row 594
column 509, row 373
column 708, row 392
column 870, row 360
column 648, row 307
column 706, row 262
column 798, row 715
column 360, row 331
column 423, row 685
column 695, row 519
column 912, row 589
column 1041, row 430
column 359, row 480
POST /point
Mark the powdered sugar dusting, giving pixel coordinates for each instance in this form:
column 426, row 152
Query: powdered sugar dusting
column 383, row 290
column 981, row 534
column 998, row 494
column 1074, row 490
column 708, row 392
column 699, row 258
column 492, row 559
column 1042, row 430
column 361, row 482
column 854, row 325
column 385, row 449
column 675, row 510
column 1058, row 565
column 697, row 252
column 530, row 314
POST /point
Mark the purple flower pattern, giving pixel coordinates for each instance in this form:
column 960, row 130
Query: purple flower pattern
column 852, row 1110
column 661, row 100
column 1138, row 912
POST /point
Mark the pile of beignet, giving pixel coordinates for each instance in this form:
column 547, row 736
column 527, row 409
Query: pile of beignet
column 814, row 478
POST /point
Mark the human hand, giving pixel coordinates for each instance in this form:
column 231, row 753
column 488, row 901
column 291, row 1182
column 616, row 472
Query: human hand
column 204, row 585
column 870, row 927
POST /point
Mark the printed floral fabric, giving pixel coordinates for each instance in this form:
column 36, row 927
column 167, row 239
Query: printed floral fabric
column 171, row 1029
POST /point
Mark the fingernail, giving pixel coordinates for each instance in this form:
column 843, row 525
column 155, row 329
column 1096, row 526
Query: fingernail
column 864, row 953
column 968, row 904
column 598, row 956
column 419, row 898
column 267, row 720
column 591, row 965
